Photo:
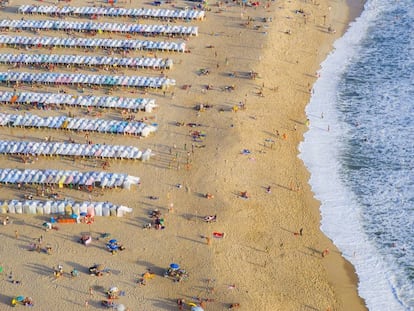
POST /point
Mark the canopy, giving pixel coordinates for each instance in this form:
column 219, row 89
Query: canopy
column 72, row 42
column 78, row 79
column 66, row 25
column 70, row 149
column 85, row 60
column 112, row 11
column 44, row 207
column 90, row 125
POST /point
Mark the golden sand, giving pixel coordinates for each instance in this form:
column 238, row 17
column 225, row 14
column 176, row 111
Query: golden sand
column 263, row 262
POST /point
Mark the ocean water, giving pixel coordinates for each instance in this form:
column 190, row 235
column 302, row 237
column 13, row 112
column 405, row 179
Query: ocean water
column 359, row 150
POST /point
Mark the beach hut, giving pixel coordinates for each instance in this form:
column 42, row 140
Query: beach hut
column 146, row 155
column 76, row 208
column 47, row 208
column 18, row 208
column 123, row 210
column 40, row 208
column 54, row 207
column 98, row 208
column 68, row 209
column 113, row 210
column 4, row 207
column 83, row 209
column 91, row 210
column 62, row 208
column 106, row 209
column 26, row 207
column 32, row 207
column 12, row 207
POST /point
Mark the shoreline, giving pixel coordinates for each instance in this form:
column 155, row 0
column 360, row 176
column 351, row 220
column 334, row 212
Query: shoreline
column 262, row 263
column 340, row 272
column 346, row 280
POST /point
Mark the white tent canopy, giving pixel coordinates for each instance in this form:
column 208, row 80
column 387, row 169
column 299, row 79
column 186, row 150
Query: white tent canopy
column 36, row 25
column 75, row 124
column 112, row 11
column 78, row 79
column 74, row 42
column 69, row 207
column 44, row 99
column 103, row 179
column 89, row 60
column 70, row 149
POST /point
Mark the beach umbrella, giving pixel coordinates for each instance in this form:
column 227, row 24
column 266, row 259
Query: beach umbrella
column 196, row 308
column 113, row 247
column 113, row 241
column 174, row 266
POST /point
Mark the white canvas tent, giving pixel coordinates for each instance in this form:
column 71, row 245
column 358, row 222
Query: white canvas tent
column 186, row 14
column 65, row 207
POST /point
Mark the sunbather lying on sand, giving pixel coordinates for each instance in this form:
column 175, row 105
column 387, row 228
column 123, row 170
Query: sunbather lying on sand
column 210, row 218
column 244, row 195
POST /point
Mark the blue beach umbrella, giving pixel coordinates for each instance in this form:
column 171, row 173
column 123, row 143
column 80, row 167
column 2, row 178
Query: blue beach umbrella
column 174, row 266
column 113, row 241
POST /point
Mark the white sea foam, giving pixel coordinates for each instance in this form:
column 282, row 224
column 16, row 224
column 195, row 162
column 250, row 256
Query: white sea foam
column 380, row 280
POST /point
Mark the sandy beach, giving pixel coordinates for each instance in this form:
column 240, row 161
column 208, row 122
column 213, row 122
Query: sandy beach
column 252, row 69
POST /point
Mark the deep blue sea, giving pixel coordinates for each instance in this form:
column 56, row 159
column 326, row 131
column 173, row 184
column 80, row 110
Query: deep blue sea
column 360, row 151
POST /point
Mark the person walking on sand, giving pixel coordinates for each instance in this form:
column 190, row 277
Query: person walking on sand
column 16, row 234
column 325, row 252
